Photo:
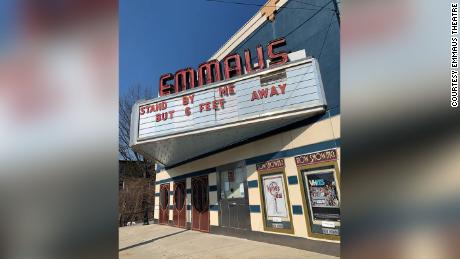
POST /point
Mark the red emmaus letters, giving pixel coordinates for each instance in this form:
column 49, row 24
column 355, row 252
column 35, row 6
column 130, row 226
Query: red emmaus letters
column 210, row 71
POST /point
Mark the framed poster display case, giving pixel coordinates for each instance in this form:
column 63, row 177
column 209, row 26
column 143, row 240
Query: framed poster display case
column 320, row 187
column 274, row 196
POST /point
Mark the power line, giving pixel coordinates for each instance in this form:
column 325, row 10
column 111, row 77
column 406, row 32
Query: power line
column 260, row 5
column 309, row 18
column 309, row 4
column 289, row 33
column 325, row 37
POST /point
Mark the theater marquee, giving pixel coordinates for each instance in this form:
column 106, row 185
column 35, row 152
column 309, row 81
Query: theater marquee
column 287, row 89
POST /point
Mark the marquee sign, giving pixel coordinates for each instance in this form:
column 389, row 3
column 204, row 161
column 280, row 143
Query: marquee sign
column 194, row 120
column 296, row 87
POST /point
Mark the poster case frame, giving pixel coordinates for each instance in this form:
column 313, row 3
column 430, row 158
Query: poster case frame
column 308, row 218
column 275, row 171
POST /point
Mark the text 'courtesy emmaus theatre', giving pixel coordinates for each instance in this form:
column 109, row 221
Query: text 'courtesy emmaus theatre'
column 248, row 141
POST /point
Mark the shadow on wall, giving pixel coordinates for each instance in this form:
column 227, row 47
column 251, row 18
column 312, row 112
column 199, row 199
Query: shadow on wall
column 247, row 148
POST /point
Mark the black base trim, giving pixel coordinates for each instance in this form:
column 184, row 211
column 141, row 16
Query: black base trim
column 321, row 247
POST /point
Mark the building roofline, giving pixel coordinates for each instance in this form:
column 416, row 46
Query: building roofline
column 249, row 27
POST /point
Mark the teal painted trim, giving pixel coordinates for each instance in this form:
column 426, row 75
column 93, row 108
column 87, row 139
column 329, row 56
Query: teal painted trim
column 254, row 208
column 292, row 180
column 297, row 210
column 253, row 184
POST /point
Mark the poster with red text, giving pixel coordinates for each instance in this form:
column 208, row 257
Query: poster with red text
column 275, row 196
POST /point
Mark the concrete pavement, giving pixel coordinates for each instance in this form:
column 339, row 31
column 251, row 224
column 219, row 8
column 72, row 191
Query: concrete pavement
column 157, row 241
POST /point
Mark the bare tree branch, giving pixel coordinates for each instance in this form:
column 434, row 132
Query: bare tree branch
column 126, row 103
column 137, row 195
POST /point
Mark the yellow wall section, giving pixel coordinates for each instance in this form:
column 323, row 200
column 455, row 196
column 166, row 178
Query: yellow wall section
column 254, row 198
column 335, row 121
column 163, row 174
column 300, row 227
column 257, row 222
column 317, row 132
column 298, row 221
column 214, row 218
column 212, row 180
column 171, row 200
column 212, row 198
column 213, row 215
column 252, row 173
column 188, row 184
column 156, row 212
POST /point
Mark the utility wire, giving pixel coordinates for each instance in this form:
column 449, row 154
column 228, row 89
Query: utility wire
column 309, row 4
column 309, row 18
column 324, row 29
column 260, row 5
column 289, row 33
column 325, row 37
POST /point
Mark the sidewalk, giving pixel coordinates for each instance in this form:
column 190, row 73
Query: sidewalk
column 157, row 241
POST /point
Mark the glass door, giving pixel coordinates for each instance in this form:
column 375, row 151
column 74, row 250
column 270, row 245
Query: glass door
column 233, row 196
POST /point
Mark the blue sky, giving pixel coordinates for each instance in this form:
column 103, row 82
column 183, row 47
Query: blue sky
column 158, row 37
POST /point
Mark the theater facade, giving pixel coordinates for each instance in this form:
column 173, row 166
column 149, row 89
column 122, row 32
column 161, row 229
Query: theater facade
column 250, row 139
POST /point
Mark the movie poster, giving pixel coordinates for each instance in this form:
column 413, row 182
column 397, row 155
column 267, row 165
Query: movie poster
column 323, row 195
column 275, row 197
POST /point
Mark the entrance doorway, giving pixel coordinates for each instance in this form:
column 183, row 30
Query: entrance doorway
column 164, row 204
column 179, row 204
column 233, row 199
column 200, row 203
